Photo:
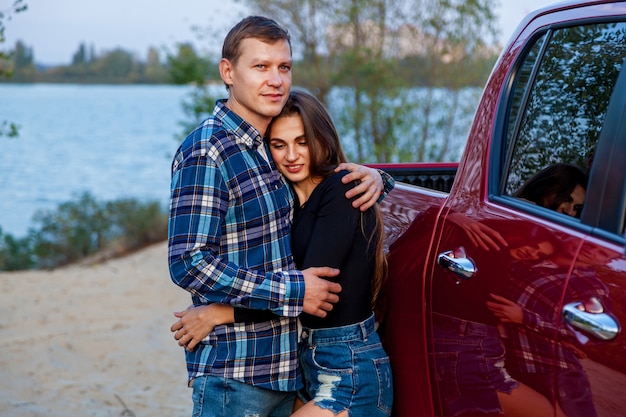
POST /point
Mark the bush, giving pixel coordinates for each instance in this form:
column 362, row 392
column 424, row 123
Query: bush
column 82, row 228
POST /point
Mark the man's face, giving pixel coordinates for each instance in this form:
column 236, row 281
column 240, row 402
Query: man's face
column 259, row 81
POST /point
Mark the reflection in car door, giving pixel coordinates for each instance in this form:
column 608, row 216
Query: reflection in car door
column 593, row 310
column 468, row 342
column 521, row 319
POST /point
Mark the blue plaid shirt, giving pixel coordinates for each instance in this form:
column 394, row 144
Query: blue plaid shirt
column 229, row 225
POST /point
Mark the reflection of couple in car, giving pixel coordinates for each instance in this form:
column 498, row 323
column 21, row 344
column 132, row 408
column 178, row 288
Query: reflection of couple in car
column 559, row 187
column 469, row 352
column 541, row 348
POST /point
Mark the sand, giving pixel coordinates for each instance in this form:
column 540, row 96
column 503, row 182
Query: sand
column 93, row 340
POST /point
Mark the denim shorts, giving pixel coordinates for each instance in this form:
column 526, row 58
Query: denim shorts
column 469, row 366
column 215, row 396
column 346, row 368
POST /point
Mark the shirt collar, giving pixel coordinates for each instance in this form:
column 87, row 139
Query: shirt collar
column 244, row 131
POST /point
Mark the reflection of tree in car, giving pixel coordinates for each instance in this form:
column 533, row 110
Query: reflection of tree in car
column 559, row 187
column 541, row 348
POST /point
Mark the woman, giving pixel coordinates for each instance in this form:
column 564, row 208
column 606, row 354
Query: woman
column 346, row 371
column 560, row 187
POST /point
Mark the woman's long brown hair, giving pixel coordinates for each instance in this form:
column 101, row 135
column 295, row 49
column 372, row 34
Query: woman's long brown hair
column 326, row 153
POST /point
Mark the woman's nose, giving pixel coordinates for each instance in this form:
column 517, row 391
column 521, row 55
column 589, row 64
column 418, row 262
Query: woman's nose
column 292, row 153
column 569, row 209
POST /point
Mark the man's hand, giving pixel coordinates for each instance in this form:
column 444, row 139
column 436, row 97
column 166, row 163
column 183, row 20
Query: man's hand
column 480, row 234
column 370, row 186
column 320, row 294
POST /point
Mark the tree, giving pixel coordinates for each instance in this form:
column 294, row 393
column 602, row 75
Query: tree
column 82, row 58
column 117, row 64
column 187, row 66
column 8, row 128
column 361, row 45
column 154, row 70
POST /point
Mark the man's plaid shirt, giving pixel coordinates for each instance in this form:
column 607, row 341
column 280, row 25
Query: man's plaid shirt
column 531, row 346
column 229, row 225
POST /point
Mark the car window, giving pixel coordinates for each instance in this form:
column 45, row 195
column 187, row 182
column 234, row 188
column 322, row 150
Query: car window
column 559, row 100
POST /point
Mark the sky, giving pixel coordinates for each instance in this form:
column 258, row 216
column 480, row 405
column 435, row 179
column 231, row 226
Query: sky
column 55, row 28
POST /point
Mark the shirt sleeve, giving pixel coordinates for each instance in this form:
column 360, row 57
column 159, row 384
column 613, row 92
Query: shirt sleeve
column 388, row 184
column 199, row 203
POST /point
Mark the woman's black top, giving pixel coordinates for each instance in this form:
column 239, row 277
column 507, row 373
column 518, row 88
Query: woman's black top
column 328, row 231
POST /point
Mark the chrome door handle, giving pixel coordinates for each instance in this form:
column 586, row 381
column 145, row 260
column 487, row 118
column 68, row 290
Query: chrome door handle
column 458, row 262
column 591, row 321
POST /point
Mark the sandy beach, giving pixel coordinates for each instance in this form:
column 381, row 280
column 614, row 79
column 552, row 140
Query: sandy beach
column 93, row 340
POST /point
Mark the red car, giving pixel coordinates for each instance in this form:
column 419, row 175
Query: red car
column 515, row 276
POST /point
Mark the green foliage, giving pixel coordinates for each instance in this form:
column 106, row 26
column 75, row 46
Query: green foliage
column 84, row 227
column 188, row 67
column 198, row 106
column 15, row 254
column 7, row 128
column 375, row 51
column 117, row 66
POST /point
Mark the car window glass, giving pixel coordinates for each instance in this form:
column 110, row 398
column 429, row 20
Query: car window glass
column 560, row 97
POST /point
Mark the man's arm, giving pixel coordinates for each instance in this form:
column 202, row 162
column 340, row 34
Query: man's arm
column 373, row 184
column 195, row 323
column 199, row 206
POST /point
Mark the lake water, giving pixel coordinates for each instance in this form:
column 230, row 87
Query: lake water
column 117, row 142
column 113, row 141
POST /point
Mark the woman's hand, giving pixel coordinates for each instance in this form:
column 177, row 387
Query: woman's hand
column 195, row 323
column 505, row 310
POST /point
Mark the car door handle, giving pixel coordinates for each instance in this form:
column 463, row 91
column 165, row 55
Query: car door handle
column 591, row 321
column 458, row 262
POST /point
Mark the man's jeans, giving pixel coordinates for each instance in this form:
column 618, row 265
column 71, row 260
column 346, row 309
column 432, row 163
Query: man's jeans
column 220, row 397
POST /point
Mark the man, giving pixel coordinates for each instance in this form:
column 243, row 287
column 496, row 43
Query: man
column 230, row 219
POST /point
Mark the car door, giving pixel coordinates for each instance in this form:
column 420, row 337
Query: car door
column 522, row 309
column 595, row 297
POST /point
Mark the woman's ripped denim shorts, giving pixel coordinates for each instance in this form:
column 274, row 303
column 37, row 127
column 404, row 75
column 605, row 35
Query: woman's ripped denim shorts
column 346, row 368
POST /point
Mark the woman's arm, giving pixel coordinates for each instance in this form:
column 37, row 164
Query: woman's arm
column 195, row 323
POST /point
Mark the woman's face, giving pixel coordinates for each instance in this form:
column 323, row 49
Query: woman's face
column 290, row 149
column 574, row 204
column 532, row 252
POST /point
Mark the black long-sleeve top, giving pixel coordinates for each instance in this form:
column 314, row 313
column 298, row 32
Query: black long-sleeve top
column 328, row 231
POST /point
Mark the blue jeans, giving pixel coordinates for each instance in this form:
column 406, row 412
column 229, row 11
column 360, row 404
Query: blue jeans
column 346, row 368
column 220, row 397
column 469, row 366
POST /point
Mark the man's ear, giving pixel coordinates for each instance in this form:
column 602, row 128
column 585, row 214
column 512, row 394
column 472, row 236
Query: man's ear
column 226, row 68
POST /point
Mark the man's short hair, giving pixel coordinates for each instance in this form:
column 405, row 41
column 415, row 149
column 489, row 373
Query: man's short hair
column 257, row 27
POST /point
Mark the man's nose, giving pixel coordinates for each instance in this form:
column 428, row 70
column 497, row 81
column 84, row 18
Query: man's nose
column 275, row 78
